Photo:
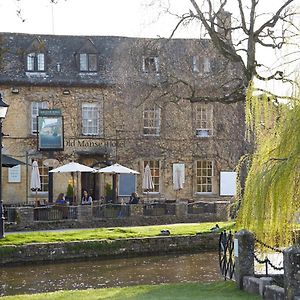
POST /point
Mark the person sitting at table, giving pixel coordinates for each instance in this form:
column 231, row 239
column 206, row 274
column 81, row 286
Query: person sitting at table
column 86, row 198
column 134, row 199
column 61, row 199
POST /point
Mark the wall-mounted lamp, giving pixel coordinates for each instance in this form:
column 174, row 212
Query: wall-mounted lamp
column 66, row 92
column 14, row 90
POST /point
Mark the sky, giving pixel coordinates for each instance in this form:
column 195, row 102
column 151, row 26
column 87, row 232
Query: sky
column 132, row 18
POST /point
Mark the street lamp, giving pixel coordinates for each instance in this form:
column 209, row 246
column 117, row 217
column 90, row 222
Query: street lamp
column 3, row 111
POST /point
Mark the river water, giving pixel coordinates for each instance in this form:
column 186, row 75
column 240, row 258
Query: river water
column 201, row 267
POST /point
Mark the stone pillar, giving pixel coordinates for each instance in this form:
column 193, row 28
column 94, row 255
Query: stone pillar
column 136, row 210
column 85, row 213
column 243, row 256
column 222, row 210
column 291, row 265
column 25, row 216
column 181, row 209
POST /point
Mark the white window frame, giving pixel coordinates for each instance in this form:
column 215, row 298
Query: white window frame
column 90, row 123
column 205, row 177
column 151, row 120
column 35, row 106
column 155, row 173
column 35, row 62
column 204, row 120
column 206, row 65
column 85, row 62
column 196, row 64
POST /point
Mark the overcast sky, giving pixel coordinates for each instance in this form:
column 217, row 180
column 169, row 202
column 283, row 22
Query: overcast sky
column 92, row 17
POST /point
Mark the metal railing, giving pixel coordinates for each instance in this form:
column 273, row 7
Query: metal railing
column 201, row 207
column 110, row 210
column 10, row 214
column 55, row 212
column 159, row 209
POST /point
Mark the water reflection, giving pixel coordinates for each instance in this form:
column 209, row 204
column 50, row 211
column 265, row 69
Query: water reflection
column 109, row 273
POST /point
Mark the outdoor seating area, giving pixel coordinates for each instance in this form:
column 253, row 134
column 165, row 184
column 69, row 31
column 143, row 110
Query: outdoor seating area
column 107, row 214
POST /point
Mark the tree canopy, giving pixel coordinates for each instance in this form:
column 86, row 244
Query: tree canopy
column 271, row 200
column 244, row 32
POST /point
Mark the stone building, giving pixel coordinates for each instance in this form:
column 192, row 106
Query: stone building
column 128, row 100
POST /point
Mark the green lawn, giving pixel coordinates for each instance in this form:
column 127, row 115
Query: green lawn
column 181, row 291
column 108, row 233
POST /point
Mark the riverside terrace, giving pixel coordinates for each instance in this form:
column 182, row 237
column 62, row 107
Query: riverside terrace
column 110, row 215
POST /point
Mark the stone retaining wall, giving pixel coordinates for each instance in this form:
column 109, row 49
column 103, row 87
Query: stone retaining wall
column 46, row 252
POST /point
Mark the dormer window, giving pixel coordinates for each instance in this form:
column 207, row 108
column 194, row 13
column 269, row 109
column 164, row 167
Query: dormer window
column 35, row 62
column 150, row 64
column 201, row 64
column 88, row 62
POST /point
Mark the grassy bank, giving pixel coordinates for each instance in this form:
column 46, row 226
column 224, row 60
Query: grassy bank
column 108, row 233
column 187, row 291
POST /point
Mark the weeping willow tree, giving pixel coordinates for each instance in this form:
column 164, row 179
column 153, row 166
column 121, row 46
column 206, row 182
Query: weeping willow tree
column 271, row 201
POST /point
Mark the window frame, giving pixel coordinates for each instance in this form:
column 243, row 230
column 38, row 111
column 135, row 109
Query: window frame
column 35, row 62
column 44, row 176
column 151, row 64
column 88, row 62
column 97, row 119
column 203, row 120
column 34, row 113
column 155, row 173
column 196, row 64
column 204, row 183
column 154, row 110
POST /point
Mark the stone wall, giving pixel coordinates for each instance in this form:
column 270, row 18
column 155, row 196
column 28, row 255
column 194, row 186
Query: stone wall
column 107, row 248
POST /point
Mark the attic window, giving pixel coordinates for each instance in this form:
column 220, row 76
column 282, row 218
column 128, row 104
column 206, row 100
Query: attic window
column 88, row 62
column 150, row 64
column 202, row 65
column 35, row 62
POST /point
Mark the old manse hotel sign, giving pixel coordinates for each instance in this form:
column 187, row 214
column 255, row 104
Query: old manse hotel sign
column 84, row 143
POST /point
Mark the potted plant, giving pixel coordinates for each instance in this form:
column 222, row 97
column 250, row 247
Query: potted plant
column 108, row 192
column 69, row 194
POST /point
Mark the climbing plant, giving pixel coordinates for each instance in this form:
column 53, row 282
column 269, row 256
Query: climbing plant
column 270, row 206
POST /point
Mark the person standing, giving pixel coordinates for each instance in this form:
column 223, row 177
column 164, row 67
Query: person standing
column 86, row 198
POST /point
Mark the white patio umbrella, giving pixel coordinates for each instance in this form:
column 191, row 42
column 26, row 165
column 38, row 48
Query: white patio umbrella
column 73, row 167
column 147, row 184
column 117, row 169
column 35, row 182
column 114, row 170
